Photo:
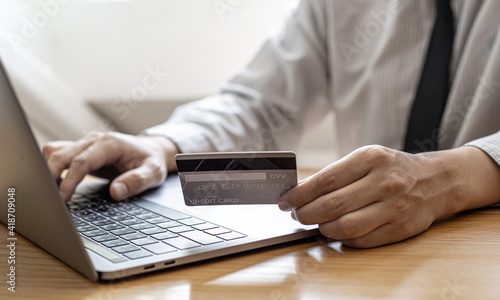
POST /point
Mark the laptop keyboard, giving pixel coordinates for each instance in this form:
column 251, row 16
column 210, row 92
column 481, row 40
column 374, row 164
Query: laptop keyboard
column 128, row 231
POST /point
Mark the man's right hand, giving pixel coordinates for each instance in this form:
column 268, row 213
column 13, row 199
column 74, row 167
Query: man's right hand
column 134, row 163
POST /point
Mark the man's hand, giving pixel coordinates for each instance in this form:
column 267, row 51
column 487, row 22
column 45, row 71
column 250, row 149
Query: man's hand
column 136, row 163
column 376, row 195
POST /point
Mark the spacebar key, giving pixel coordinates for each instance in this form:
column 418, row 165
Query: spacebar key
column 102, row 251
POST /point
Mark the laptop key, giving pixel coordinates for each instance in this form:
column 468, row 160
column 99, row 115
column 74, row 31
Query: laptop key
column 115, row 243
column 104, row 237
column 160, row 248
column 96, row 232
column 85, row 213
column 85, row 228
column 169, row 213
column 138, row 254
column 181, row 243
column 158, row 220
column 217, row 230
column 205, row 226
column 131, row 222
column 101, row 208
column 79, row 223
column 201, row 237
column 164, row 235
column 137, row 211
column 91, row 218
column 142, row 226
column 75, row 218
column 144, row 241
column 113, row 226
column 168, row 224
column 191, row 221
column 153, row 230
column 182, row 228
column 133, row 236
column 113, row 213
column 125, row 207
column 123, row 231
column 147, row 216
column 122, row 218
column 126, row 248
column 73, row 207
column 231, row 236
column 102, row 222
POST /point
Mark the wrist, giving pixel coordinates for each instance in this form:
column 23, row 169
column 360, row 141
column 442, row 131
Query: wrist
column 483, row 178
column 468, row 179
column 167, row 148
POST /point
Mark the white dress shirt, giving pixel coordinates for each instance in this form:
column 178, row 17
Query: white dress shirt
column 363, row 60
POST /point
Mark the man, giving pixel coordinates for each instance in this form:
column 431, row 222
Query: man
column 405, row 75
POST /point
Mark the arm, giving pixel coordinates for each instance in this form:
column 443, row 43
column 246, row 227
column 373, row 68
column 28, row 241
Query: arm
column 263, row 107
column 268, row 103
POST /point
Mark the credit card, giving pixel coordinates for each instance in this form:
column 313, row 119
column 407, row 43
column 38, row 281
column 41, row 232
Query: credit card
column 229, row 178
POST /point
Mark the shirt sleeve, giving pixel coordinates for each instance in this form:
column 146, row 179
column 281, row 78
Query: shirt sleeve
column 270, row 102
column 489, row 144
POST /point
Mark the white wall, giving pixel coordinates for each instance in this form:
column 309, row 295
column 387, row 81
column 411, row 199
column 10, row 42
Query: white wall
column 103, row 49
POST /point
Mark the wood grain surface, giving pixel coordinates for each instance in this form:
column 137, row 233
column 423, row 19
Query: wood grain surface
column 457, row 258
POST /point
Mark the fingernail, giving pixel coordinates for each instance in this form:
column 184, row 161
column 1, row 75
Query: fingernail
column 284, row 206
column 121, row 190
column 294, row 215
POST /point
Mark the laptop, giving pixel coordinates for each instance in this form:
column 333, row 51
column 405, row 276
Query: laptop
column 105, row 240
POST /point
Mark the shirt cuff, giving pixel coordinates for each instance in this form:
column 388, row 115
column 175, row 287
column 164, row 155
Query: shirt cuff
column 185, row 136
column 489, row 144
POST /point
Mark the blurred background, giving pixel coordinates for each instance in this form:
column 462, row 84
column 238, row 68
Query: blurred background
column 125, row 65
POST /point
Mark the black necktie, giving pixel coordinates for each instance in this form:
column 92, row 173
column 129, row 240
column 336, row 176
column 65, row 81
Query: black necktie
column 432, row 93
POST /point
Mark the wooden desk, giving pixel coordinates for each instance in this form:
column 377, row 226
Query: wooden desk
column 455, row 259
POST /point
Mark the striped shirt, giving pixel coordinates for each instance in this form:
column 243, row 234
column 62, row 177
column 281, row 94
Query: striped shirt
column 363, row 61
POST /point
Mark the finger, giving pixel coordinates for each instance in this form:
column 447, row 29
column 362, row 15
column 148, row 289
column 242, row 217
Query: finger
column 148, row 175
column 305, row 179
column 357, row 223
column 48, row 150
column 389, row 233
column 55, row 157
column 61, row 158
column 92, row 158
column 342, row 201
column 51, row 147
column 331, row 178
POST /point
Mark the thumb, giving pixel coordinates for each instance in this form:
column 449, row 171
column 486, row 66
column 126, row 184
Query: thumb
column 137, row 180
